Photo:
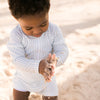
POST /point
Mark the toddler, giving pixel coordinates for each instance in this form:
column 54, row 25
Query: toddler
column 36, row 47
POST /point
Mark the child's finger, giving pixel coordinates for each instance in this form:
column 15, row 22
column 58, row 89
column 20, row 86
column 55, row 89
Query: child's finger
column 53, row 57
column 52, row 73
column 47, row 77
column 48, row 80
column 49, row 57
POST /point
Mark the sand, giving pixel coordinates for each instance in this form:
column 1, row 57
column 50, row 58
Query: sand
column 79, row 77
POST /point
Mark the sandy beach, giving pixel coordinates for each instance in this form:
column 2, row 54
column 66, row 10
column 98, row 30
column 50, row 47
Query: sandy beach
column 79, row 77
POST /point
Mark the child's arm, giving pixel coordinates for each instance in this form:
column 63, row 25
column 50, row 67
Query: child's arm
column 59, row 47
column 17, row 53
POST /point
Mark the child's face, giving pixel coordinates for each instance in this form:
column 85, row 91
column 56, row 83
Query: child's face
column 34, row 25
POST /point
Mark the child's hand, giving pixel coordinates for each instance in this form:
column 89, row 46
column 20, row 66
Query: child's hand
column 47, row 67
column 52, row 60
column 46, row 70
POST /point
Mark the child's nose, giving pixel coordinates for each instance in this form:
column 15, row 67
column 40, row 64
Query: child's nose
column 37, row 31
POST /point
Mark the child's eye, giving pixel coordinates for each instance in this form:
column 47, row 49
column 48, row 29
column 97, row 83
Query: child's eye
column 43, row 25
column 28, row 28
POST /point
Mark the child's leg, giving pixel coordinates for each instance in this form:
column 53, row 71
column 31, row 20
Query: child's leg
column 49, row 97
column 18, row 95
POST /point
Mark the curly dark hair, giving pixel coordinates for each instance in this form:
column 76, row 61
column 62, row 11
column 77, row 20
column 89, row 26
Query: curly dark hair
column 20, row 8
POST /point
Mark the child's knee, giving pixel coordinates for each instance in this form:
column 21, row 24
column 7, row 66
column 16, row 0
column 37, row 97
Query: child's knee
column 49, row 97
